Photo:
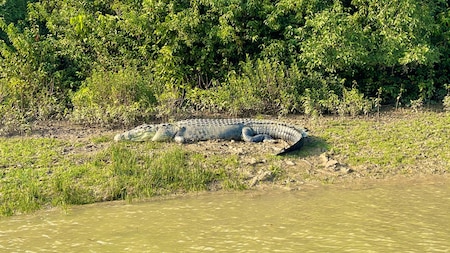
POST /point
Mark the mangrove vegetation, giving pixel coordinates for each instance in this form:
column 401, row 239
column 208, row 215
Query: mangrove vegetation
column 115, row 62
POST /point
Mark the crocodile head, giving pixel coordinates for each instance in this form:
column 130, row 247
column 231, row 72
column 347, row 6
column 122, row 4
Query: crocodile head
column 158, row 132
column 140, row 133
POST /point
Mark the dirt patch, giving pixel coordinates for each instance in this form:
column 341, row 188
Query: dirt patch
column 257, row 161
column 66, row 130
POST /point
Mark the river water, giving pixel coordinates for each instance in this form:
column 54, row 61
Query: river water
column 397, row 216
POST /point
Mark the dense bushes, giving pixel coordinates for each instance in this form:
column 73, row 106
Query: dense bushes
column 262, row 86
column 114, row 98
column 237, row 57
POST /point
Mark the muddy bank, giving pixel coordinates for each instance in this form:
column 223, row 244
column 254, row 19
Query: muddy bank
column 328, row 156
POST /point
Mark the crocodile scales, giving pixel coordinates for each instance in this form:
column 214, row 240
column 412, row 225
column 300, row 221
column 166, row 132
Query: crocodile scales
column 193, row 130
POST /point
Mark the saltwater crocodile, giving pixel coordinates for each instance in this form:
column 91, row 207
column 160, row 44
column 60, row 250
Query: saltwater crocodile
column 193, row 130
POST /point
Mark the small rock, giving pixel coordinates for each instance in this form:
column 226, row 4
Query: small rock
column 262, row 176
column 324, row 158
column 252, row 161
column 345, row 170
column 289, row 163
column 65, row 151
column 331, row 163
column 239, row 150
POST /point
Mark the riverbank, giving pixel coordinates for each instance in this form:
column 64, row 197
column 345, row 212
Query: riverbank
column 61, row 164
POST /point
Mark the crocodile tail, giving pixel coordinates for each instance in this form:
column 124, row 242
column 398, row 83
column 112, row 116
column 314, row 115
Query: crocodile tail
column 293, row 147
column 294, row 136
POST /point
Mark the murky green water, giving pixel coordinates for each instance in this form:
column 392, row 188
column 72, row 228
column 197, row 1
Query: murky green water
column 400, row 216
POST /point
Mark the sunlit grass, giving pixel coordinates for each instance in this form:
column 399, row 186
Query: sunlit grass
column 33, row 178
column 413, row 140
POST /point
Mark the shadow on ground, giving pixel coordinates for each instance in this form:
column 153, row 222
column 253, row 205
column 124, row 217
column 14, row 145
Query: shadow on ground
column 313, row 146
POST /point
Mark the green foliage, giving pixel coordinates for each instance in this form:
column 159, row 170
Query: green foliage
column 12, row 11
column 31, row 83
column 446, row 101
column 262, row 86
column 233, row 56
column 114, row 98
column 350, row 102
column 319, row 95
column 353, row 103
column 334, row 41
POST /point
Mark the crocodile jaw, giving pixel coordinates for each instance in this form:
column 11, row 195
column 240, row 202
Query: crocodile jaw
column 141, row 133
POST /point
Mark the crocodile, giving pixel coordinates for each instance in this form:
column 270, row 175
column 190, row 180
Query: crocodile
column 194, row 130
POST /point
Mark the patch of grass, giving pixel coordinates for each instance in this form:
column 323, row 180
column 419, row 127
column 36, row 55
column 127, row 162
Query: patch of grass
column 225, row 170
column 101, row 139
column 278, row 173
column 35, row 173
column 395, row 143
column 29, row 152
column 21, row 190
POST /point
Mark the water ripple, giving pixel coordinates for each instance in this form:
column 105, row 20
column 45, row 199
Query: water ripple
column 408, row 217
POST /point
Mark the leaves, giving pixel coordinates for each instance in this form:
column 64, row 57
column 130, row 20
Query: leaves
column 52, row 47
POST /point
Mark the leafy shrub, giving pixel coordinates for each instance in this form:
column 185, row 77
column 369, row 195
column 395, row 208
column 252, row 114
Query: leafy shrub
column 114, row 98
column 12, row 121
column 169, row 100
column 446, row 100
column 262, row 86
column 446, row 103
column 353, row 103
column 416, row 104
column 23, row 101
column 332, row 97
column 318, row 101
column 212, row 100
column 319, row 95
column 20, row 108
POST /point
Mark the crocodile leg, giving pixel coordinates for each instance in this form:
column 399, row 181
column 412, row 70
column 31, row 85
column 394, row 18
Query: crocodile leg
column 165, row 133
column 179, row 136
column 248, row 135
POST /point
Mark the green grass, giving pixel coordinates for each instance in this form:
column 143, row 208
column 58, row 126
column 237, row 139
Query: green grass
column 35, row 174
column 416, row 139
